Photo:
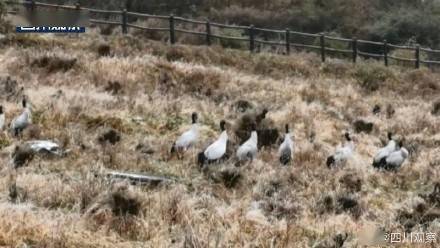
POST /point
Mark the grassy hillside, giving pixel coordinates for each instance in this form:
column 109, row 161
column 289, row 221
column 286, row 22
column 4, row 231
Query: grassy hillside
column 65, row 202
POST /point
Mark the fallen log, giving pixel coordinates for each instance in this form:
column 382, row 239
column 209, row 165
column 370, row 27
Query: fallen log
column 136, row 178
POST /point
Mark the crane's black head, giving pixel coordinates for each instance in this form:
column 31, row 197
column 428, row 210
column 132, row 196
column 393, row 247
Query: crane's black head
column 287, row 128
column 194, row 117
column 1, row 109
column 330, row 161
column 347, row 136
column 390, row 136
column 222, row 125
column 264, row 112
column 400, row 143
column 24, row 103
column 261, row 116
column 254, row 126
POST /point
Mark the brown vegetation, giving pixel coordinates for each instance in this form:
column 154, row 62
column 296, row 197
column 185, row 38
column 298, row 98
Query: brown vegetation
column 67, row 203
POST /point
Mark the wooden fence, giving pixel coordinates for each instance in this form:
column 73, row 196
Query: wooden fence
column 250, row 36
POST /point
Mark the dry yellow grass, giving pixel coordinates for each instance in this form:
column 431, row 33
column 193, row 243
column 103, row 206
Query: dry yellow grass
column 270, row 206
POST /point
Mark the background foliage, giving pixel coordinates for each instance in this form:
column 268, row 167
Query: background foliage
column 398, row 21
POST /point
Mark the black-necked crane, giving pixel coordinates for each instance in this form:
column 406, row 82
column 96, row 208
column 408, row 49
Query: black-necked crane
column 188, row 138
column 285, row 152
column 342, row 153
column 379, row 160
column 23, row 120
column 216, row 150
column 248, row 150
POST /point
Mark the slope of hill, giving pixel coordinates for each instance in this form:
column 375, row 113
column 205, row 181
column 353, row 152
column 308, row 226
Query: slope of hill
column 146, row 91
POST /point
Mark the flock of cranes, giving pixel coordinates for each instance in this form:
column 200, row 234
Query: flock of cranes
column 390, row 157
column 217, row 150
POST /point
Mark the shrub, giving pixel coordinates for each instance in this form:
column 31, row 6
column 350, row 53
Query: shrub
column 336, row 67
column 372, row 76
column 422, row 81
column 230, row 177
column 176, row 53
column 279, row 67
column 104, row 49
column 197, row 82
column 53, row 63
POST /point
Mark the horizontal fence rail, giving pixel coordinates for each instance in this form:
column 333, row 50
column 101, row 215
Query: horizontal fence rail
column 104, row 22
column 190, row 21
column 147, row 15
column 255, row 35
column 98, row 11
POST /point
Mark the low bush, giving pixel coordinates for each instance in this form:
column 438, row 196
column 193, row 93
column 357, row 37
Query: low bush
column 53, row 63
column 372, row 77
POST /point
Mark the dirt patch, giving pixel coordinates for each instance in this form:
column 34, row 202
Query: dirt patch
column 363, row 126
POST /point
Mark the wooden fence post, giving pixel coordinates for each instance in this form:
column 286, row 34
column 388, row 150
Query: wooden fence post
column 385, row 52
column 355, row 49
column 32, row 4
column 124, row 21
column 208, row 33
column 172, row 33
column 417, row 56
column 287, row 41
column 251, row 38
column 322, row 42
